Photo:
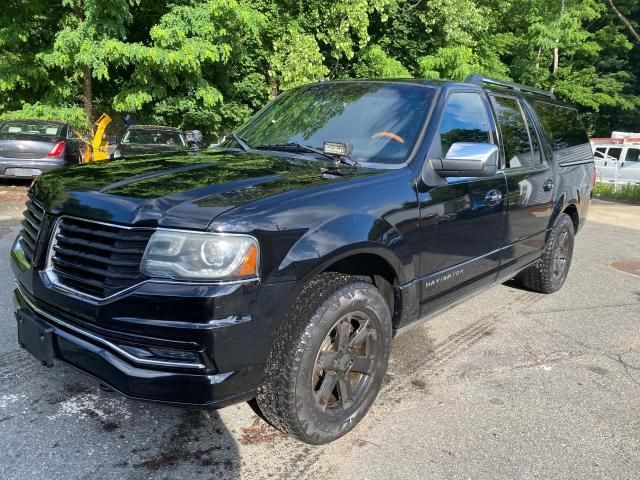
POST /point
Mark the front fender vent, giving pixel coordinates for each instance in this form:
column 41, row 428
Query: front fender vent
column 31, row 224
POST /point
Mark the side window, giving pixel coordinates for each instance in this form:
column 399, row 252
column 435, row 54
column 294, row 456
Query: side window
column 464, row 120
column 614, row 153
column 517, row 140
column 600, row 152
column 562, row 125
column 633, row 155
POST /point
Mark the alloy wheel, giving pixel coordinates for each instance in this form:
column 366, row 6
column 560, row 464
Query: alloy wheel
column 345, row 363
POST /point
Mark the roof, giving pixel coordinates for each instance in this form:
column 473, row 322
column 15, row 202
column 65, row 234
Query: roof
column 616, row 141
column 478, row 81
column 34, row 120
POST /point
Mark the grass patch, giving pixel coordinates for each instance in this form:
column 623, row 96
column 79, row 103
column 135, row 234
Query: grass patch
column 627, row 193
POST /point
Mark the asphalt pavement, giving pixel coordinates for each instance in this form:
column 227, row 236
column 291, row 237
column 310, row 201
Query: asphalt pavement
column 509, row 385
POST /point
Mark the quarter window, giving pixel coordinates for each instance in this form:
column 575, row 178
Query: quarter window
column 516, row 136
column 561, row 124
column 633, row 155
column 464, row 120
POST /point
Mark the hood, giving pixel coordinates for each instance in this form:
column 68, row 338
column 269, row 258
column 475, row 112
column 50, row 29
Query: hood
column 180, row 191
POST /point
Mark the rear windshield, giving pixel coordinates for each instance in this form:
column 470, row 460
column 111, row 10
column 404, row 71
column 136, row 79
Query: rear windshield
column 381, row 121
column 32, row 128
column 153, row 137
column 562, row 125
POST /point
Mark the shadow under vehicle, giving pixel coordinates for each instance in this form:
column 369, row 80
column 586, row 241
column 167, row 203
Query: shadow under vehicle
column 31, row 147
column 281, row 264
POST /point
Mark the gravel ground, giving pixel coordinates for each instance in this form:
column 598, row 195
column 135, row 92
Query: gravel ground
column 13, row 194
column 508, row 385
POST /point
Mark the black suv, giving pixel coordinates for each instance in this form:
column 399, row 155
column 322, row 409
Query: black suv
column 150, row 139
column 281, row 265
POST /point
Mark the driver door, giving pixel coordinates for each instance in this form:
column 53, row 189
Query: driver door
column 462, row 218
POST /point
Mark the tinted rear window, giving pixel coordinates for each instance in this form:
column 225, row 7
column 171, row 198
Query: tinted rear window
column 32, row 128
column 562, row 125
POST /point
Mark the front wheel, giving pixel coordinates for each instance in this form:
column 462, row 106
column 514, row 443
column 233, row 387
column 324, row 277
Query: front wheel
column 329, row 359
column 549, row 273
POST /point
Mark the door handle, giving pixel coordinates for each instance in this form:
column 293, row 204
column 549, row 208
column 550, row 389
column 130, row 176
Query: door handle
column 547, row 185
column 493, row 197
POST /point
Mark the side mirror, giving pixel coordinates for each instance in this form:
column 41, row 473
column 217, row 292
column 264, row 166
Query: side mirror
column 468, row 160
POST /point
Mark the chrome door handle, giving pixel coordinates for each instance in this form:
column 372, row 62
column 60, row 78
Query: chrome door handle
column 493, row 197
column 547, row 185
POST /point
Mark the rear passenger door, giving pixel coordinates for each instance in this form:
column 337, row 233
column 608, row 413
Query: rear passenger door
column 630, row 167
column 530, row 183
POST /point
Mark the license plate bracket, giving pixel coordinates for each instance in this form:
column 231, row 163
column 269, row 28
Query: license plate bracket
column 36, row 337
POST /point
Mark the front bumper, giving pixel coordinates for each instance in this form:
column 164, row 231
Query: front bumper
column 98, row 356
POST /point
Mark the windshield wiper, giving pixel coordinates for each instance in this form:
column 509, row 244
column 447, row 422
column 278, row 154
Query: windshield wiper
column 308, row 148
column 241, row 141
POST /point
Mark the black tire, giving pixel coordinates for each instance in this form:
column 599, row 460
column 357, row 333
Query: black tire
column 549, row 273
column 329, row 334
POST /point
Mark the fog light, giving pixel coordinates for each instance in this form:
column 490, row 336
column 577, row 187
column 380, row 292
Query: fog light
column 160, row 354
column 174, row 354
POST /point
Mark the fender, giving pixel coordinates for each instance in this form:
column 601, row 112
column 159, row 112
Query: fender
column 341, row 237
column 560, row 204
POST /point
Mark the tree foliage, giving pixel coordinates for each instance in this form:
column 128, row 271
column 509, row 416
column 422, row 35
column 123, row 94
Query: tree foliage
column 209, row 64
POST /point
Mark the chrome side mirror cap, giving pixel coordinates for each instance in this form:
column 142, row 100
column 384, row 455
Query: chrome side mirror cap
column 468, row 160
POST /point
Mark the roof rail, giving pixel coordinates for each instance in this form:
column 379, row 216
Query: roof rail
column 480, row 79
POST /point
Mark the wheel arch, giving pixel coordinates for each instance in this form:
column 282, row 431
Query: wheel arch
column 373, row 263
column 572, row 210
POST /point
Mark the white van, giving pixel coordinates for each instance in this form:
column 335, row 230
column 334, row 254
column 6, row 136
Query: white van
column 617, row 159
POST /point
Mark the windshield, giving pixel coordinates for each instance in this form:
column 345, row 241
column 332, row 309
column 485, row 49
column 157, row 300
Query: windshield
column 32, row 128
column 381, row 121
column 153, row 137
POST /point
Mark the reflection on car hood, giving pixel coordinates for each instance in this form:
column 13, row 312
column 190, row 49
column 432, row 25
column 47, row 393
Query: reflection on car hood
column 185, row 191
column 142, row 149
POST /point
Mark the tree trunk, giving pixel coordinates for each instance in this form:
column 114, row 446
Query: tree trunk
column 271, row 82
column 87, row 96
column 625, row 21
column 556, row 60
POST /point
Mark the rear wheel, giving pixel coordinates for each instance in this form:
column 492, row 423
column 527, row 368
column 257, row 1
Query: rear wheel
column 549, row 273
column 329, row 359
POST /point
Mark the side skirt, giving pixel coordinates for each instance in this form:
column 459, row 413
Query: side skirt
column 477, row 291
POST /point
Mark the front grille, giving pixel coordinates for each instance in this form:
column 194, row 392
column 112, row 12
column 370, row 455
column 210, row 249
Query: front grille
column 31, row 224
column 97, row 259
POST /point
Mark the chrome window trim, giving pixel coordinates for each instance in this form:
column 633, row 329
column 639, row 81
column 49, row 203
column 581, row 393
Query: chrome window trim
column 103, row 341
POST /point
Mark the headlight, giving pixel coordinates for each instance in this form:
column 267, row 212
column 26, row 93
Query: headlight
column 200, row 256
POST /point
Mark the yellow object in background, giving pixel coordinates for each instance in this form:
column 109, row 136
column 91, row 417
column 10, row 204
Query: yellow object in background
column 98, row 143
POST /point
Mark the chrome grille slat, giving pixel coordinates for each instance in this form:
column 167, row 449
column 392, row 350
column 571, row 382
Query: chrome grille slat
column 31, row 224
column 95, row 258
column 114, row 260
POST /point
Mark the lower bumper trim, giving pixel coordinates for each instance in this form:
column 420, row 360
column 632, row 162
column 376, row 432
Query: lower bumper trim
column 74, row 347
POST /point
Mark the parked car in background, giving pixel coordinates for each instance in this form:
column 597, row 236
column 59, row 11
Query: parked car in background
column 282, row 264
column 31, row 147
column 617, row 159
column 148, row 139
